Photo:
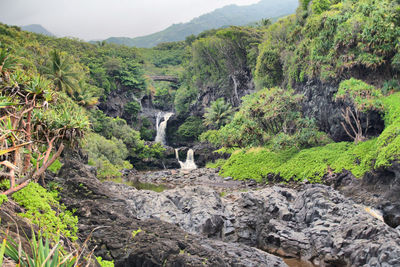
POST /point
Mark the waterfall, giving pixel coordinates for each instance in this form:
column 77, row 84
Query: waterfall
column 189, row 164
column 162, row 127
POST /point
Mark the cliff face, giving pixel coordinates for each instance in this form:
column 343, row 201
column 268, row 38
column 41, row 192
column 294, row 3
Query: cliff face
column 318, row 104
column 240, row 84
column 114, row 105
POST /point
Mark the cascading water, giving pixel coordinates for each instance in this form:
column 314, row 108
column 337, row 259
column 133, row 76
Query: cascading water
column 189, row 164
column 161, row 127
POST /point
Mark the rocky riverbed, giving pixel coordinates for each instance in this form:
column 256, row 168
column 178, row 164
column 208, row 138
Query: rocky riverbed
column 207, row 220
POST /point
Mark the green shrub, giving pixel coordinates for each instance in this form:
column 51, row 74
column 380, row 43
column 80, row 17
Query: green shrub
column 364, row 96
column 184, row 97
column 270, row 117
column 108, row 156
column 331, row 40
column 212, row 136
column 155, row 151
column 132, row 109
column 104, row 263
column 191, row 128
column 314, row 163
column 391, row 108
column 3, row 198
column 146, row 131
column 44, row 210
column 255, row 163
column 269, row 67
column 388, row 143
column 113, row 150
column 319, row 6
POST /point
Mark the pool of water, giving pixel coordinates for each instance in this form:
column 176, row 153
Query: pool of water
column 292, row 262
column 148, row 186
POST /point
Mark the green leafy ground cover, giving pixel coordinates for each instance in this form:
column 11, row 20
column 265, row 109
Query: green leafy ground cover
column 43, row 209
column 313, row 163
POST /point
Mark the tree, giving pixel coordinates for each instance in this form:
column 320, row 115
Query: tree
column 30, row 128
column 61, row 73
column 218, row 114
column 84, row 95
column 7, row 63
column 359, row 98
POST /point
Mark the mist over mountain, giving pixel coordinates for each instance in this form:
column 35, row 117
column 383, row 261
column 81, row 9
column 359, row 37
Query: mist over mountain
column 231, row 15
column 37, row 28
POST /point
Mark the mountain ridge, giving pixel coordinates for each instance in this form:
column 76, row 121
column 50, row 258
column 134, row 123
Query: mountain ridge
column 230, row 15
column 37, row 28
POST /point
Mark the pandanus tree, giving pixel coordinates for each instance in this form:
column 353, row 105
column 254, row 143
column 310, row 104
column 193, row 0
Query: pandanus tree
column 33, row 131
column 7, row 63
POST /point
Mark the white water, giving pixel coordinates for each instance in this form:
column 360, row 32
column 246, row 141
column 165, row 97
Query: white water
column 189, row 164
column 162, row 127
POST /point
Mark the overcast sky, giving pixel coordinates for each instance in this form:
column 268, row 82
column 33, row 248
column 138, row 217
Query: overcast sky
column 100, row 19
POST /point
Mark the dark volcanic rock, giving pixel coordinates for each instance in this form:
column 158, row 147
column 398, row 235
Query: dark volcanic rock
column 318, row 103
column 114, row 106
column 242, row 80
column 204, row 152
column 378, row 189
column 316, row 223
column 323, row 226
column 107, row 214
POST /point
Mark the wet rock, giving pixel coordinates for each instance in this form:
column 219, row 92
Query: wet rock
column 318, row 223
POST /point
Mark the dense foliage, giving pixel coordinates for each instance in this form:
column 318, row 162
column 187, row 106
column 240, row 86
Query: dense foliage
column 314, row 163
column 270, row 117
column 349, row 43
column 332, row 40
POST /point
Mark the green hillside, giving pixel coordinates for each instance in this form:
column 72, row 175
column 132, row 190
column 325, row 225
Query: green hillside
column 226, row 16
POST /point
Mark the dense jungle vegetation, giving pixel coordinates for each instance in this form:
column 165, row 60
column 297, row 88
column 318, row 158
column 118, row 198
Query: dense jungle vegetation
column 50, row 89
